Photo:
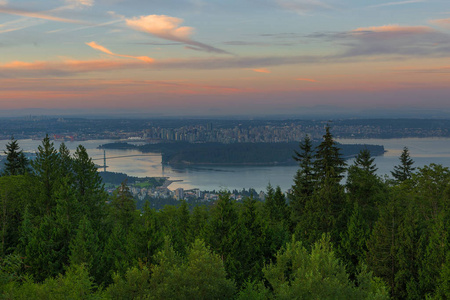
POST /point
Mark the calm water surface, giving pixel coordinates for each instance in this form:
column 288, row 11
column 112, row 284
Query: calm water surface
column 423, row 151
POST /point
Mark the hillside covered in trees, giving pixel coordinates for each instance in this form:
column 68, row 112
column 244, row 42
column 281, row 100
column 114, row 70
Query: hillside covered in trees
column 184, row 153
column 63, row 237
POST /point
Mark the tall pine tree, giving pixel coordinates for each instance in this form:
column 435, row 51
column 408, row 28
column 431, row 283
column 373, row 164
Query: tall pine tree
column 304, row 181
column 405, row 169
column 16, row 162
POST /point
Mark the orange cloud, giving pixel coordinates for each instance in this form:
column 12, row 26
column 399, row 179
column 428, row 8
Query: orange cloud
column 306, row 79
column 169, row 28
column 262, row 70
column 441, row 22
column 162, row 26
column 38, row 15
column 98, row 47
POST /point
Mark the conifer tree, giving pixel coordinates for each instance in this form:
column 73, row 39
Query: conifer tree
column 434, row 256
column 65, row 162
column 353, row 241
column 326, row 210
column 145, row 237
column 16, row 162
column 84, row 246
column 304, row 182
column 328, row 163
column 365, row 162
column 404, row 170
column 383, row 244
column 122, row 206
column 256, row 242
column 223, row 231
column 304, row 179
column 365, row 188
column 45, row 167
column 89, row 187
column 276, row 206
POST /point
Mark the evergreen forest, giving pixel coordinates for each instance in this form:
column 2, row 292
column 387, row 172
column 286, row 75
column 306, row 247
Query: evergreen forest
column 366, row 237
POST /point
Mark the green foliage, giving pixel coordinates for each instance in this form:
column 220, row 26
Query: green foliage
column 223, row 230
column 175, row 223
column 404, row 170
column 328, row 164
column 10, row 268
column 443, row 284
column 365, row 162
column 254, row 291
column 298, row 274
column 75, row 284
column 304, row 181
column 84, row 247
column 135, row 285
column 144, row 238
column 203, row 276
column 14, row 196
column 45, row 167
column 16, row 162
column 122, row 207
column 275, row 205
column 88, row 186
column 59, row 235
column 353, row 241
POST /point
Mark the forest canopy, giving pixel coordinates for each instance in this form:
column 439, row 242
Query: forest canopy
column 62, row 236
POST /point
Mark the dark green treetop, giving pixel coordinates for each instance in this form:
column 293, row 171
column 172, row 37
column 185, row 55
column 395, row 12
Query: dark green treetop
column 329, row 163
column 16, row 162
column 304, row 179
column 365, row 162
column 404, row 170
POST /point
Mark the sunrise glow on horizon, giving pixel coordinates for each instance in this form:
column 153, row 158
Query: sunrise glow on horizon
column 203, row 57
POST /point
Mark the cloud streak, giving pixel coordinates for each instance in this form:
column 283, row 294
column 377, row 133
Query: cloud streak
column 441, row 22
column 38, row 15
column 389, row 40
column 169, row 28
column 306, row 79
column 302, row 7
column 81, row 2
column 261, row 70
column 98, row 47
column 396, row 3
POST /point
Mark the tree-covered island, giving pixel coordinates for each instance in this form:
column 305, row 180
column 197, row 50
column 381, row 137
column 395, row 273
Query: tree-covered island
column 184, row 153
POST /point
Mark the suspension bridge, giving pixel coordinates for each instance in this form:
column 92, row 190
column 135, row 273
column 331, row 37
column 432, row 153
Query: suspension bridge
column 121, row 156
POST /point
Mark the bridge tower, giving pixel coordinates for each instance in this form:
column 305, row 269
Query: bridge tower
column 104, row 160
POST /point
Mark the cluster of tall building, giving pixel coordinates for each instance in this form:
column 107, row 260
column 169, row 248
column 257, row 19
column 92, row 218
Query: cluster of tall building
column 237, row 134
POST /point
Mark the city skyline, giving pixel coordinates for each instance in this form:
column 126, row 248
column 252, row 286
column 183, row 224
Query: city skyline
column 247, row 57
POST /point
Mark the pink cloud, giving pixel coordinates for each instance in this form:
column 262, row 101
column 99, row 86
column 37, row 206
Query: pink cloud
column 394, row 29
column 98, row 47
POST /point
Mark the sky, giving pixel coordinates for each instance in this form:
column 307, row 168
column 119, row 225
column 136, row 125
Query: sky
column 234, row 57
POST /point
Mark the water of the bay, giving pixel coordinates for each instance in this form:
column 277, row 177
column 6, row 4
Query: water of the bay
column 423, row 151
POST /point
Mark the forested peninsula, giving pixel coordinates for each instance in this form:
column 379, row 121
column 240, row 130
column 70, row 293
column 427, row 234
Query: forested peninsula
column 184, row 153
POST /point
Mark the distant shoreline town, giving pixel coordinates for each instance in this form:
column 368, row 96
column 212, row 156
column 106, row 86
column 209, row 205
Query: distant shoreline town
column 216, row 131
